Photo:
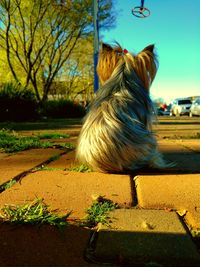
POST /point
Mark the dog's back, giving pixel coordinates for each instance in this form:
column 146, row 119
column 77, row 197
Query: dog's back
column 116, row 135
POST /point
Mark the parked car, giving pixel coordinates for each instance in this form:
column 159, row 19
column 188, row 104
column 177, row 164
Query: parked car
column 163, row 112
column 195, row 108
column 180, row 106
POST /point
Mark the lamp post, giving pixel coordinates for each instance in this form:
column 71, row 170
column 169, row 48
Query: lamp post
column 96, row 42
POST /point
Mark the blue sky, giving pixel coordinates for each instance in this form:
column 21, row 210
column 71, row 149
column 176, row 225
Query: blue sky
column 174, row 28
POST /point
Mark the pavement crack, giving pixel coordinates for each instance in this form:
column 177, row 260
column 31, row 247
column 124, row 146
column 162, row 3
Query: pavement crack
column 133, row 191
column 18, row 178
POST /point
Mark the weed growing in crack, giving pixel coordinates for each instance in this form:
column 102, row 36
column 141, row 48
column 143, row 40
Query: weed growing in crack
column 80, row 168
column 54, row 157
column 99, row 212
column 46, row 168
column 65, row 145
column 33, row 213
column 7, row 185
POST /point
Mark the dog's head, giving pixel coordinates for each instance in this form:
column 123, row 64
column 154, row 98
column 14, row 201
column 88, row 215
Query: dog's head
column 144, row 63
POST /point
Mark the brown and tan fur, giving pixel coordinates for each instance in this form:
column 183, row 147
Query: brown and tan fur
column 117, row 132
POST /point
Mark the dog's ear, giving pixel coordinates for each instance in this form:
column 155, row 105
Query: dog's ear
column 106, row 47
column 149, row 48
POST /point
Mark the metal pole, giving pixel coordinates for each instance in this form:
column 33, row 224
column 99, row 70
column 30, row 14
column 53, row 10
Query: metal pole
column 96, row 43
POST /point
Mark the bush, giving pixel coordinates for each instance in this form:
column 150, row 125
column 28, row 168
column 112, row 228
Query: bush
column 17, row 103
column 62, row 108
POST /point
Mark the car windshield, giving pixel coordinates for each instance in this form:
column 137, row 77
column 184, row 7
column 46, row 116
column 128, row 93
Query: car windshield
column 184, row 102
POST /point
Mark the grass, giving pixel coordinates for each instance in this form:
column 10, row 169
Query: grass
column 34, row 213
column 54, row 157
column 7, row 185
column 195, row 136
column 12, row 142
column 99, row 212
column 195, row 233
column 65, row 145
column 80, row 168
column 46, row 168
column 53, row 136
column 37, row 213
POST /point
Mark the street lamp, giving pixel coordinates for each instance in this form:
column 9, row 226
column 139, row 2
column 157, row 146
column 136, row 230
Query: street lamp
column 96, row 42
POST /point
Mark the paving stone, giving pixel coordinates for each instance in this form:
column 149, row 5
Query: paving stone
column 170, row 145
column 191, row 144
column 65, row 161
column 44, row 246
column 14, row 165
column 180, row 192
column 144, row 236
column 66, row 191
column 3, row 155
column 192, row 217
column 186, row 160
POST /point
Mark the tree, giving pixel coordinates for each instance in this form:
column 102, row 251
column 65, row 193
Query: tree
column 77, row 73
column 39, row 37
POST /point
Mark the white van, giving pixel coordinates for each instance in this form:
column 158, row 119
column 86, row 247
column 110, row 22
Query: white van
column 180, row 106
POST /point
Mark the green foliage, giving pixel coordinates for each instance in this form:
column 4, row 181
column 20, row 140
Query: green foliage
column 42, row 35
column 66, row 145
column 62, row 108
column 11, row 142
column 53, row 135
column 99, row 212
column 17, row 103
column 35, row 212
column 7, row 185
column 81, row 168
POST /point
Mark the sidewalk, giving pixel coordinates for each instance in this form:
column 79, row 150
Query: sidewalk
column 149, row 229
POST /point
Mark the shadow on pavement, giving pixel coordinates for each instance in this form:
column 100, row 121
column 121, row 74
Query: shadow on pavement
column 42, row 125
column 42, row 246
column 46, row 246
column 129, row 248
column 185, row 162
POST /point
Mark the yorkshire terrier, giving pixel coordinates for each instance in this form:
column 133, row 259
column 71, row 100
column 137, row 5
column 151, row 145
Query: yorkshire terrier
column 117, row 135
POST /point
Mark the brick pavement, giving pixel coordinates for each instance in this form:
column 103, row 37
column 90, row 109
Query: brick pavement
column 160, row 192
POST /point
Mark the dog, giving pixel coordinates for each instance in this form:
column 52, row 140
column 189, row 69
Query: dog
column 117, row 136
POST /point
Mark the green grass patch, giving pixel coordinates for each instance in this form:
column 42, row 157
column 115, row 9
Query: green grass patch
column 46, row 168
column 53, row 136
column 10, row 142
column 34, row 213
column 7, row 185
column 65, row 145
column 195, row 136
column 99, row 212
column 80, row 168
column 54, row 157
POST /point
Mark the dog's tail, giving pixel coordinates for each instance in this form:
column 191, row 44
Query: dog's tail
column 158, row 162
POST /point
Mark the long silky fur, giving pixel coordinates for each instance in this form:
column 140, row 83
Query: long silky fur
column 117, row 132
